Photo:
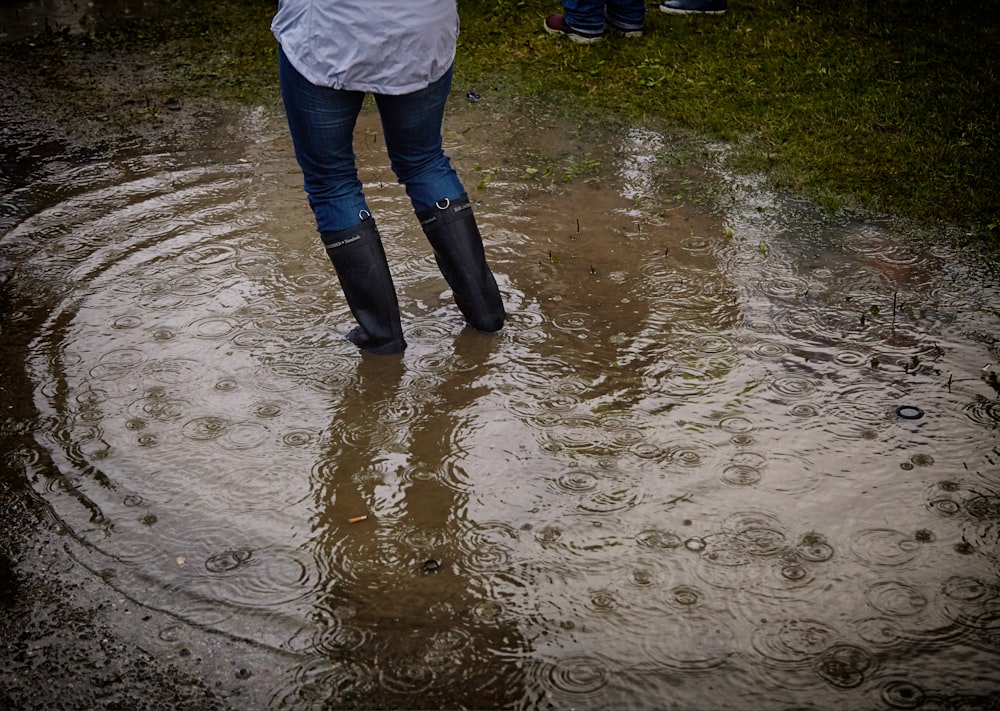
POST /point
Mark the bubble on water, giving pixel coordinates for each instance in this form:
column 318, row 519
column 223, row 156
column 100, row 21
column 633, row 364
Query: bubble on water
column 658, row 539
column 163, row 334
column 814, row 548
column 686, row 596
column 262, row 579
column 228, row 561
column 983, row 506
column 644, row 576
column 947, row 507
column 695, row 544
column 488, row 611
column 843, row 665
column 602, row 601
column 548, row 535
column 227, row 385
column 794, row 573
column 901, row 694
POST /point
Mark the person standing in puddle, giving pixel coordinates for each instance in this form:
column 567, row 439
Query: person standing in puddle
column 585, row 21
column 331, row 54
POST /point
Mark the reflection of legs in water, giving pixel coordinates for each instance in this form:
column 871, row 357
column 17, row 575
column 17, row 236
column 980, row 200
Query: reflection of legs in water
column 413, row 631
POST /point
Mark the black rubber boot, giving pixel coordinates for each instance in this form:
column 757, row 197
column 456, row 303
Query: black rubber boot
column 458, row 249
column 359, row 259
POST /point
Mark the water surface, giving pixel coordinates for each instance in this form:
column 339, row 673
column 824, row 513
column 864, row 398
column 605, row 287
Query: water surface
column 679, row 476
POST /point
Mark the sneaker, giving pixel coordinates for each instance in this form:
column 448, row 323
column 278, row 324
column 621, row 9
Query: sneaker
column 556, row 25
column 690, row 7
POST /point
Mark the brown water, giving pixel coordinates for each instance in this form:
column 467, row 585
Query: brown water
column 676, row 479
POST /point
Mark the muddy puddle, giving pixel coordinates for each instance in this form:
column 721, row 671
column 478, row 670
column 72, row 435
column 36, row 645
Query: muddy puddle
column 725, row 454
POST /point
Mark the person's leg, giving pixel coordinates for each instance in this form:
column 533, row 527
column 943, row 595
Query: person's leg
column 412, row 128
column 411, row 125
column 626, row 15
column 584, row 15
column 321, row 121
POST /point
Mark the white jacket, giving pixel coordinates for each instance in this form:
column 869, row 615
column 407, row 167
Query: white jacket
column 379, row 46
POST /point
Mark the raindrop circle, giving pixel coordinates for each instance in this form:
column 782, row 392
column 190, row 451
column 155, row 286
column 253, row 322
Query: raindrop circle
column 792, row 641
column 578, row 675
column 686, row 596
column 884, row 546
column 576, row 482
column 660, row 540
column 902, row 695
column 205, row 428
column 895, row 598
column 228, row 561
column 843, row 665
column 793, row 386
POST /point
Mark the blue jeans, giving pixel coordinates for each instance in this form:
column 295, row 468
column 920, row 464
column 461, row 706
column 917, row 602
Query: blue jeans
column 590, row 15
column 321, row 121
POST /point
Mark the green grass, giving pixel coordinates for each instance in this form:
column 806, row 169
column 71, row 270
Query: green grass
column 872, row 104
column 889, row 105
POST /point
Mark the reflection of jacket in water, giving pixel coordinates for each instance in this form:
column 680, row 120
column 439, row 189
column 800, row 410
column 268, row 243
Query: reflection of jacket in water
column 404, row 45
column 416, row 635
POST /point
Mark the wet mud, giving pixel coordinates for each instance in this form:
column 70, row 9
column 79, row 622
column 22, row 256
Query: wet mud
column 728, row 452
